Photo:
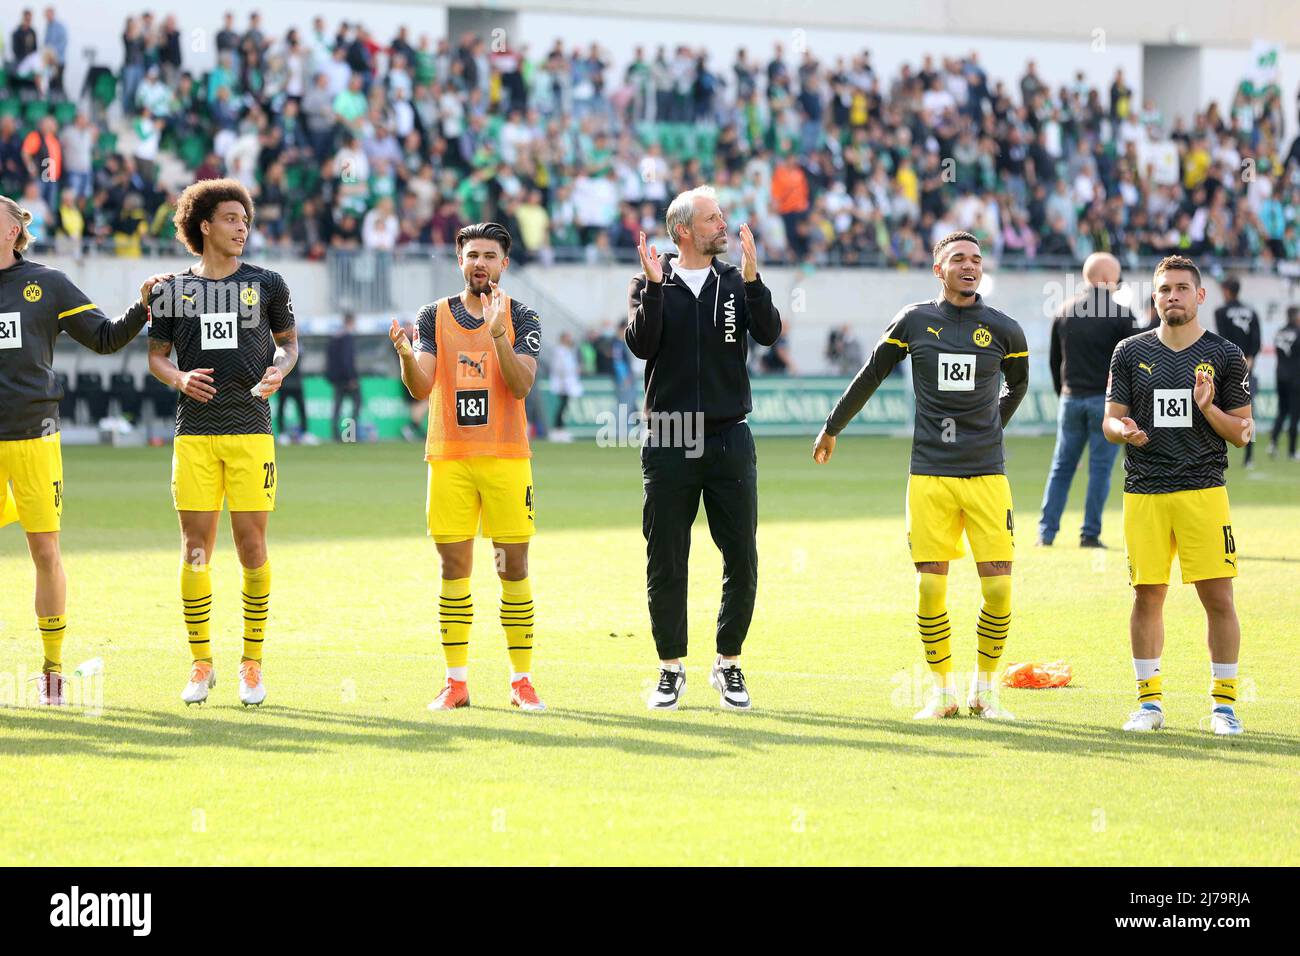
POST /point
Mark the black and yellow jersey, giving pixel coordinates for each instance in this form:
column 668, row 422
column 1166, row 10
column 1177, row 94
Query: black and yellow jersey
column 225, row 325
column 38, row 302
column 1156, row 383
column 970, row 370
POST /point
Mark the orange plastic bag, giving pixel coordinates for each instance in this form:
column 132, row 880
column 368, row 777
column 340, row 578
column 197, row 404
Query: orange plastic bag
column 1053, row 674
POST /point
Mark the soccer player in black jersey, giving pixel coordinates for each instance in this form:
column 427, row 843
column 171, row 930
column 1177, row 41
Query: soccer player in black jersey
column 231, row 325
column 970, row 371
column 1177, row 395
column 37, row 304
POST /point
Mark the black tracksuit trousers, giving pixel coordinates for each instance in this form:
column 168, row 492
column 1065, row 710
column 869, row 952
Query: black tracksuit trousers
column 727, row 476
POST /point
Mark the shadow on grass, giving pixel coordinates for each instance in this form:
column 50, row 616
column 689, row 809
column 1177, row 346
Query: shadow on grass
column 133, row 734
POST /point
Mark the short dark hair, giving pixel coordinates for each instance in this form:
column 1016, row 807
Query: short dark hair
column 1172, row 263
column 492, row 231
column 199, row 202
column 1232, row 284
column 949, row 239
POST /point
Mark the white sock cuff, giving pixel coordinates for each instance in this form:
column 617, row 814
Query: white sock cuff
column 514, row 678
column 458, row 673
column 1146, row 668
column 1223, row 671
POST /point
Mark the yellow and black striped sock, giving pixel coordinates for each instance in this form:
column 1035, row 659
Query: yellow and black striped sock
column 455, row 615
column 52, row 629
column 1151, row 690
column 932, row 621
column 196, row 603
column 517, row 620
column 1223, row 690
column 994, row 623
column 257, row 607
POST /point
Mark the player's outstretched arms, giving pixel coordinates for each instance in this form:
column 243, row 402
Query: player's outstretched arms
column 1119, row 429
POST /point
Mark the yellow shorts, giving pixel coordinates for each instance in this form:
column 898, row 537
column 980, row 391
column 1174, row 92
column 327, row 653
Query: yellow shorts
column 939, row 508
column 210, row 469
column 461, row 490
column 31, row 483
column 1195, row 525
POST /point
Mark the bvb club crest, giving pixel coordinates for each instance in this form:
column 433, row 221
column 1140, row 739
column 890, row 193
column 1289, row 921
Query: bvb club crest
column 983, row 337
column 32, row 292
column 248, row 297
column 1207, row 368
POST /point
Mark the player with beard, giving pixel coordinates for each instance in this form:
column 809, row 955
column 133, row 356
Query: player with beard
column 475, row 360
column 1178, row 394
column 970, row 370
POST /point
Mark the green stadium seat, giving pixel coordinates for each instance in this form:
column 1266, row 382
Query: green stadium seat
column 10, row 107
column 192, row 150
column 107, row 143
column 65, row 112
column 36, row 111
column 105, row 89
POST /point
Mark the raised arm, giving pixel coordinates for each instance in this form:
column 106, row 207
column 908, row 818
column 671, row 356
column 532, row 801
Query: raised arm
column 645, row 305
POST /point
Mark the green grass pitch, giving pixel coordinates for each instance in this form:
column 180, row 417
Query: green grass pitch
column 343, row 765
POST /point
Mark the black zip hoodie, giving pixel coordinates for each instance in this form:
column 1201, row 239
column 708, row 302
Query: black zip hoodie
column 696, row 349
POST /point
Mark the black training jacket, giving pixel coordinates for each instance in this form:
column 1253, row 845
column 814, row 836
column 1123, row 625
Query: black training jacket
column 696, row 349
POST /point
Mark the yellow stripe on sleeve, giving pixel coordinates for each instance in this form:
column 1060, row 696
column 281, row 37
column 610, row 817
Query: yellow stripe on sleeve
column 80, row 308
column 1016, row 355
column 903, row 345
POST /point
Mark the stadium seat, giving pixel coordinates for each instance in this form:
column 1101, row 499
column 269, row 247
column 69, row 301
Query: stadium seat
column 68, row 403
column 104, row 89
column 159, row 396
column 107, row 143
column 65, row 112
column 10, row 107
column 122, row 389
column 90, row 390
column 36, row 111
column 192, row 150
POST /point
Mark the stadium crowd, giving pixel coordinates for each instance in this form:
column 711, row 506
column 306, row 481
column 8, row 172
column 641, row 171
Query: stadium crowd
column 349, row 141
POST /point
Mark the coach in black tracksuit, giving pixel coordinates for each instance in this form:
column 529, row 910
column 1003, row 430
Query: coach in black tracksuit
column 690, row 318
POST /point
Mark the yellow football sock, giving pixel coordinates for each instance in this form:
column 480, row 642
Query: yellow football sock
column 1222, row 689
column 932, row 621
column 455, row 615
column 52, row 629
column 994, row 623
column 196, row 603
column 517, row 620
column 257, row 606
column 1150, row 691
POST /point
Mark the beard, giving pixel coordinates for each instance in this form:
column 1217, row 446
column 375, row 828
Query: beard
column 477, row 286
column 1177, row 317
column 958, row 289
column 716, row 247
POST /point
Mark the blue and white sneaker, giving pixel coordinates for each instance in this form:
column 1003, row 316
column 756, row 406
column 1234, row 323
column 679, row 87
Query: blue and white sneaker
column 1145, row 719
column 1224, row 722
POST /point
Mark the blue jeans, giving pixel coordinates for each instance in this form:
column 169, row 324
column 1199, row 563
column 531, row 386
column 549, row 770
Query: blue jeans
column 1078, row 423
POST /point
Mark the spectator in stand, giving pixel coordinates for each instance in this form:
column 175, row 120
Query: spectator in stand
column 22, row 43
column 44, row 157
column 56, row 42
